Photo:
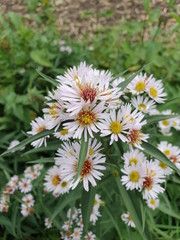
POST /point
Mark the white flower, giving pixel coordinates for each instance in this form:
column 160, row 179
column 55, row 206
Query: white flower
column 66, row 225
column 138, row 84
column 86, row 121
column 175, row 156
column 155, row 90
column 90, row 236
column 63, row 134
column 76, row 235
column 143, row 104
column 90, row 170
column 39, row 125
column 13, row 182
column 47, row 223
column 25, row 185
column 166, row 124
column 135, row 138
column 33, row 172
column 166, row 170
column 94, row 215
column 126, row 217
column 133, row 156
column 13, row 144
column 133, row 177
column 154, row 177
column 26, row 210
column 115, row 125
column 54, row 182
column 153, row 203
column 28, row 200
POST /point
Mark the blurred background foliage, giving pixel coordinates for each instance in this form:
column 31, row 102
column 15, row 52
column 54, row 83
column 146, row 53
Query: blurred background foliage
column 32, row 41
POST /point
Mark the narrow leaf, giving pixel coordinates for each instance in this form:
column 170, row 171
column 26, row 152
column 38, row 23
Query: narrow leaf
column 156, row 153
column 82, row 157
column 87, row 206
column 47, row 78
column 42, row 161
column 27, row 141
column 129, row 202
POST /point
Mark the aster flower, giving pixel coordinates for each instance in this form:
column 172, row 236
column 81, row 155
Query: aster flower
column 13, row 144
column 86, row 121
column 90, row 170
column 39, row 125
column 115, row 125
column 94, row 215
column 175, row 156
column 154, row 177
column 126, row 217
column 133, row 156
column 143, row 104
column 155, row 90
column 25, row 185
column 47, row 223
column 26, row 210
column 28, row 200
column 90, row 236
column 76, row 235
column 54, row 182
column 133, row 177
column 135, row 138
column 63, row 134
column 138, row 84
column 153, row 203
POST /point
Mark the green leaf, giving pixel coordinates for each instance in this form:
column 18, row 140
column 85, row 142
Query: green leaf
column 146, row 5
column 47, row 78
column 169, row 211
column 63, row 202
column 157, row 118
column 130, row 199
column 82, row 156
column 87, row 206
column 39, row 57
column 42, row 161
column 156, row 153
column 114, row 222
column 27, row 141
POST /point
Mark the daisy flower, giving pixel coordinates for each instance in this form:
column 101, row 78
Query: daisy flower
column 166, row 170
column 90, row 236
column 39, row 125
column 126, row 218
column 175, row 156
column 86, row 121
column 135, row 138
column 26, row 210
column 94, row 215
column 143, row 104
column 115, row 125
column 28, row 200
column 166, row 123
column 133, row 156
column 138, row 84
column 13, row 144
column 90, row 170
column 153, row 203
column 155, row 90
column 54, row 182
column 63, row 134
column 25, row 185
column 154, row 177
column 133, row 177
column 76, row 235
column 47, row 223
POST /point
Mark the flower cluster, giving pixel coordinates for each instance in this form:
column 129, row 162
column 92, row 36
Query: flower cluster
column 72, row 228
column 61, row 177
column 24, row 185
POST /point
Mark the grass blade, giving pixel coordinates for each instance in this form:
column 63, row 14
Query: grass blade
column 156, row 153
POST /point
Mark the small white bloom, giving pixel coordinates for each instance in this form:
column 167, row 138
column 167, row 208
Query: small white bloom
column 126, row 217
column 25, row 185
column 47, row 223
column 143, row 104
column 138, row 84
column 26, row 210
column 28, row 200
column 90, row 236
column 76, row 235
column 153, row 203
column 133, row 156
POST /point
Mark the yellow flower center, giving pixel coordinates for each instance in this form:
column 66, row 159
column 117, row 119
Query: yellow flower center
column 64, row 131
column 115, row 127
column 56, row 180
column 162, row 165
column 140, row 86
column 76, row 234
column 52, row 111
column 152, row 201
column 64, row 184
column 86, row 117
column 165, row 122
column 134, row 176
column 95, row 202
column 167, row 152
column 40, row 129
column 91, row 151
column 133, row 160
column 142, row 106
column 153, row 92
